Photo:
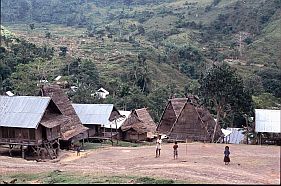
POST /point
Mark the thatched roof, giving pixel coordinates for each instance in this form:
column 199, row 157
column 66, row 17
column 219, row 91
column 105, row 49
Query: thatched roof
column 183, row 119
column 133, row 122
column 140, row 121
column 177, row 104
column 72, row 128
column 144, row 116
column 54, row 120
column 170, row 114
column 194, row 123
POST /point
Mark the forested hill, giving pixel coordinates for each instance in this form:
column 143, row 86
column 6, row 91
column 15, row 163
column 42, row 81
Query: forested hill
column 142, row 51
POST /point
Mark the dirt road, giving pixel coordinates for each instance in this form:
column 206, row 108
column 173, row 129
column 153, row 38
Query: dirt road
column 197, row 163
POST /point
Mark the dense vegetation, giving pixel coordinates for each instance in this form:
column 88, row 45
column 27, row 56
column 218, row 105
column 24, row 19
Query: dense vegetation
column 166, row 48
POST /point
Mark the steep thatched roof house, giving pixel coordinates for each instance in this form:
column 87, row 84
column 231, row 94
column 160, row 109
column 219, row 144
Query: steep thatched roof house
column 170, row 114
column 139, row 126
column 73, row 130
column 96, row 117
column 30, row 121
column 187, row 121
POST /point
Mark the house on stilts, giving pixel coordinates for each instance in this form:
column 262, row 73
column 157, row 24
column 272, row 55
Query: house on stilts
column 32, row 123
column 72, row 131
column 98, row 118
column 184, row 120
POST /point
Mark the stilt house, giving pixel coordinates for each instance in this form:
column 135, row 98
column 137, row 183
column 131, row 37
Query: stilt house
column 28, row 121
column 74, row 130
column 97, row 118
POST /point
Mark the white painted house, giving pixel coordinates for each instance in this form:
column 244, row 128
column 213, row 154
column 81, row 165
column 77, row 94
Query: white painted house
column 101, row 93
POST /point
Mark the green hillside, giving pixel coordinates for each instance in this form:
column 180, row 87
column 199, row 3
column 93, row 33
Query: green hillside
column 139, row 47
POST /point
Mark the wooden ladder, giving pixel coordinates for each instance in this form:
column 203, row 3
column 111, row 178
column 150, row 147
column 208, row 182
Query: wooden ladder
column 48, row 147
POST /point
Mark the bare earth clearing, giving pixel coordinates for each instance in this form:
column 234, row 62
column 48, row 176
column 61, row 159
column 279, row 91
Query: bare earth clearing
column 200, row 163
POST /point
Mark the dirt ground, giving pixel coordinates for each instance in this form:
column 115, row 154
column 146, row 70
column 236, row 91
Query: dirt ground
column 197, row 163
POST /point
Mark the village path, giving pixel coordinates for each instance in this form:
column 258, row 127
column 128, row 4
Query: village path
column 197, row 163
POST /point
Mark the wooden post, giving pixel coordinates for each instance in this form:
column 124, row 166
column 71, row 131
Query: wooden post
column 22, row 151
column 111, row 131
column 186, row 146
column 247, row 140
column 37, row 151
column 117, row 134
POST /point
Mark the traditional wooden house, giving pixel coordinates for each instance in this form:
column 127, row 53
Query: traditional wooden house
column 192, row 123
column 139, row 126
column 97, row 118
column 73, row 130
column 30, row 122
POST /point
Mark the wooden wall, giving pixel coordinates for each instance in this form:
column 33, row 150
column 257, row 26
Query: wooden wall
column 25, row 136
column 131, row 135
column 19, row 135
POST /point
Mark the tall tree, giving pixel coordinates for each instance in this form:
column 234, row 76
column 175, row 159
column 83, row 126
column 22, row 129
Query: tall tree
column 222, row 89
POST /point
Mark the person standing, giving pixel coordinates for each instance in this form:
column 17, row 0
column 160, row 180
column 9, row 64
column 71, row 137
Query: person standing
column 226, row 158
column 158, row 146
column 175, row 147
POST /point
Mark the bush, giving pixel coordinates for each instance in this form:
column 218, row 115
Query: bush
column 148, row 180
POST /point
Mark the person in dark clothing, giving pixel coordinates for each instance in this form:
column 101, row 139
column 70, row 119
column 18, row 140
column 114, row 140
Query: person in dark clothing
column 226, row 158
column 175, row 147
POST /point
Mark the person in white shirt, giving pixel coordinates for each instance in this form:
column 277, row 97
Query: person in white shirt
column 158, row 146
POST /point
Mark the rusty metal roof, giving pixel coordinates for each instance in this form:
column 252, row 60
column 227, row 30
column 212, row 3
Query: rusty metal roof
column 22, row 111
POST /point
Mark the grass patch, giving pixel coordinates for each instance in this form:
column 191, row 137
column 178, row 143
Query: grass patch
column 130, row 144
column 148, row 180
column 59, row 177
column 88, row 145
column 91, row 145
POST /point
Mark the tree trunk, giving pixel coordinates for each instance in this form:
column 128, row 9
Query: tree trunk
column 217, row 122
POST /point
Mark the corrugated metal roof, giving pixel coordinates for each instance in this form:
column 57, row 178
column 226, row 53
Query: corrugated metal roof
column 268, row 120
column 236, row 135
column 22, row 111
column 119, row 121
column 94, row 113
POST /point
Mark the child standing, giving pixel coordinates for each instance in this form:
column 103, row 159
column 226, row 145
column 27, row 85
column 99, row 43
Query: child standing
column 175, row 147
column 158, row 146
column 226, row 155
